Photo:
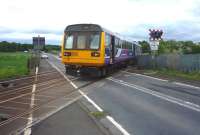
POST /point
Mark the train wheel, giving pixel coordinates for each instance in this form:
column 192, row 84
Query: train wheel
column 103, row 72
column 68, row 69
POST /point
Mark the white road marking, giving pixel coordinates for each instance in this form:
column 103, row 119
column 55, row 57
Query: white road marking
column 145, row 76
column 187, row 85
column 30, row 119
column 36, row 71
column 117, row 125
column 177, row 83
column 51, row 113
column 180, row 102
column 91, row 101
column 74, row 79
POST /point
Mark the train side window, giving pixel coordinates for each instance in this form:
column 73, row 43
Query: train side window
column 123, row 45
column 129, row 46
column 69, row 42
column 116, row 43
column 108, row 40
column 133, row 48
column 120, row 43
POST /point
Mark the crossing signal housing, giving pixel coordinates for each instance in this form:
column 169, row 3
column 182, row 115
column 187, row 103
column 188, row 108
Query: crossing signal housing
column 155, row 34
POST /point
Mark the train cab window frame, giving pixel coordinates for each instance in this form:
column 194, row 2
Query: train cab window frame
column 69, row 41
column 82, row 41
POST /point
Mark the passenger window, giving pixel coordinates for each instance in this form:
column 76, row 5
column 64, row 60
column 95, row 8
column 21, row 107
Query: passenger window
column 129, row 46
column 81, row 42
column 108, row 40
column 123, row 45
column 117, row 43
column 120, row 44
column 69, row 42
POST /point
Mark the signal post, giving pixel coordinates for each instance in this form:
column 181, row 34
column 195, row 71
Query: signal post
column 154, row 39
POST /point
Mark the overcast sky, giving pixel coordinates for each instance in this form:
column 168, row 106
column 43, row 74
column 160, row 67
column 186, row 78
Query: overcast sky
column 22, row 19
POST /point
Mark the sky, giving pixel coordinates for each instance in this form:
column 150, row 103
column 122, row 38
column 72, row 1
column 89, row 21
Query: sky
column 20, row 20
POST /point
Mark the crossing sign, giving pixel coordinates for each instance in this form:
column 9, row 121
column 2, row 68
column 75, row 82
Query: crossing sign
column 154, row 45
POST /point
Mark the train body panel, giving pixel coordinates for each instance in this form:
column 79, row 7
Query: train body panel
column 85, row 57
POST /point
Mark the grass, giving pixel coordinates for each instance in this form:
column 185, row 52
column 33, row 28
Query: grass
column 13, row 64
column 98, row 114
column 175, row 73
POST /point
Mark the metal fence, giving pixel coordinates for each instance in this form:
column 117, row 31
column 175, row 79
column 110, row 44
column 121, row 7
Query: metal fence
column 186, row 63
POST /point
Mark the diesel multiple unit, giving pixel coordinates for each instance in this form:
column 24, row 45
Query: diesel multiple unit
column 91, row 47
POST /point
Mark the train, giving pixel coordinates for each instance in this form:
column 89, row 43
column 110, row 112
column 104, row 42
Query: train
column 90, row 47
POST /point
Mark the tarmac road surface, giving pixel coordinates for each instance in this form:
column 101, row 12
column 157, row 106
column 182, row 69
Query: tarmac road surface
column 145, row 105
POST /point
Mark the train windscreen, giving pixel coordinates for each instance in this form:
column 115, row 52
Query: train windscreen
column 82, row 40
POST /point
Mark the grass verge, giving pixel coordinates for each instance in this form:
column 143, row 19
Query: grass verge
column 175, row 73
column 98, row 114
column 13, row 64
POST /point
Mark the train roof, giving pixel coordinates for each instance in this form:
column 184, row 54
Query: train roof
column 96, row 27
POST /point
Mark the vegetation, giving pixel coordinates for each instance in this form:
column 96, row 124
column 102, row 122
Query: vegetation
column 145, row 46
column 98, row 114
column 175, row 73
column 13, row 61
column 172, row 46
column 14, row 47
column 13, row 64
column 52, row 49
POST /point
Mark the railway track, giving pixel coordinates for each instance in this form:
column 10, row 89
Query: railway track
column 52, row 92
column 13, row 84
column 27, row 90
column 27, row 77
column 31, row 109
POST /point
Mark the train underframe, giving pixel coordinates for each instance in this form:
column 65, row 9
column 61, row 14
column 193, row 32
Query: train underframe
column 97, row 71
column 86, row 70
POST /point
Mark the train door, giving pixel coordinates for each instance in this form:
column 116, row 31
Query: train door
column 112, row 48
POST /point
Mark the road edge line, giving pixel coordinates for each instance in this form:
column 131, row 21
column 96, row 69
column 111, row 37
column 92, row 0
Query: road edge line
column 175, row 82
column 165, row 97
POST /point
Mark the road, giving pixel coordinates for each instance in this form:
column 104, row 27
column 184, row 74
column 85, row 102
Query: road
column 71, row 120
column 145, row 105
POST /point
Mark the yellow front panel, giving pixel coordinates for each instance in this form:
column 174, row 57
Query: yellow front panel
column 83, row 57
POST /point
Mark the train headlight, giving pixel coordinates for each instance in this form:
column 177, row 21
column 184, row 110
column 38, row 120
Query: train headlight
column 95, row 54
column 67, row 53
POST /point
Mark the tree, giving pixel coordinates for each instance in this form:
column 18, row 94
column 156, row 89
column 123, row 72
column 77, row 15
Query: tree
column 145, row 46
column 13, row 47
